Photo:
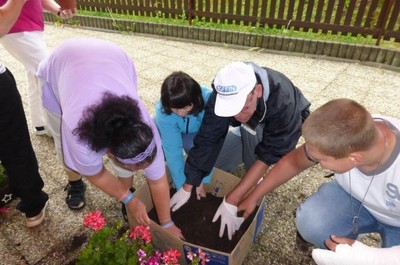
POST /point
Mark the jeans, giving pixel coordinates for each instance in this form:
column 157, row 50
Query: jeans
column 329, row 212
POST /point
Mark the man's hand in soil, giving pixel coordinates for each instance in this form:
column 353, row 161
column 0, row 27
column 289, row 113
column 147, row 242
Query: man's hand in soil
column 228, row 213
column 180, row 198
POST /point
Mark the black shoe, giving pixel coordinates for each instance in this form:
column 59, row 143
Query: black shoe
column 41, row 130
column 75, row 195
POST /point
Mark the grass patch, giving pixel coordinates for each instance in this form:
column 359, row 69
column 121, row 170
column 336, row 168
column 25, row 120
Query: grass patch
column 275, row 31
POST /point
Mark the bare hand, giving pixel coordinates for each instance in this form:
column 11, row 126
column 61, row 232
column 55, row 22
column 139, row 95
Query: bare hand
column 247, row 206
column 175, row 231
column 334, row 241
column 138, row 211
column 200, row 192
column 67, row 13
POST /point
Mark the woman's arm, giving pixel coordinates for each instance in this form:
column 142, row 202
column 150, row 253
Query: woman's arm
column 109, row 184
column 9, row 13
column 160, row 194
column 54, row 8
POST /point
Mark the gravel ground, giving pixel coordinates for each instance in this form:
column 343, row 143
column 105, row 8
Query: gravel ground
column 59, row 239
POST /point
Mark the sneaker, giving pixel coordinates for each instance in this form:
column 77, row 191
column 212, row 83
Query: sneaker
column 38, row 219
column 75, row 196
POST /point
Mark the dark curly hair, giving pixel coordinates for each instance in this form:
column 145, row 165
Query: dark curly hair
column 115, row 124
column 180, row 90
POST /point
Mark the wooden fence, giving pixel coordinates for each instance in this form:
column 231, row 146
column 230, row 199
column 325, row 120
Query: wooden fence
column 377, row 18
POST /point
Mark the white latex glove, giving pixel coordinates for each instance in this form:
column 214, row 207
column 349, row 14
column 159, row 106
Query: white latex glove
column 180, row 198
column 357, row 254
column 228, row 213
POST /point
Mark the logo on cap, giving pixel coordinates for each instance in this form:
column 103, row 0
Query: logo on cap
column 226, row 90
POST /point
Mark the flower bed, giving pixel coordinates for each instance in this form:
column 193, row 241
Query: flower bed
column 119, row 245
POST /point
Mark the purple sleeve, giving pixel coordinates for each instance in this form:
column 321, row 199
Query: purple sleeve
column 157, row 169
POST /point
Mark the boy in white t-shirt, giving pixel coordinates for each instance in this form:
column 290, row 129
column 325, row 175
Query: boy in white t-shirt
column 362, row 151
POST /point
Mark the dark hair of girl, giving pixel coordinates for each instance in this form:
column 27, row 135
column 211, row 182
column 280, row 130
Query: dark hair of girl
column 180, row 90
column 115, row 124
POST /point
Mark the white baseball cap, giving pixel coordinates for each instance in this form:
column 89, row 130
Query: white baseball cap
column 233, row 83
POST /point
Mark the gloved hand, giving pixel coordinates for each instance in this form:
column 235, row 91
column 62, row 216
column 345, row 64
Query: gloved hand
column 228, row 213
column 180, row 198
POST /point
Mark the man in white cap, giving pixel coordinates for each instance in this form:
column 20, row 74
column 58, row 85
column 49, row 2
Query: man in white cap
column 267, row 108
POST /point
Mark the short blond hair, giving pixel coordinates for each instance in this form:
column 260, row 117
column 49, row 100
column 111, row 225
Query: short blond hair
column 340, row 127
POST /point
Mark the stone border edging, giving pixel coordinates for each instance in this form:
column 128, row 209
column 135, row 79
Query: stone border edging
column 378, row 56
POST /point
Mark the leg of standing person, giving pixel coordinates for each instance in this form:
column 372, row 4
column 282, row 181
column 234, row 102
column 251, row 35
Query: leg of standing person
column 76, row 187
column 30, row 49
column 17, row 154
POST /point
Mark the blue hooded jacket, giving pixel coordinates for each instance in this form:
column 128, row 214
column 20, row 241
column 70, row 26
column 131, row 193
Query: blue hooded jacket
column 171, row 127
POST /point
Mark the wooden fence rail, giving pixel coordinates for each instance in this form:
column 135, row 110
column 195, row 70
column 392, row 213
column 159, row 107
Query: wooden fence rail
column 377, row 18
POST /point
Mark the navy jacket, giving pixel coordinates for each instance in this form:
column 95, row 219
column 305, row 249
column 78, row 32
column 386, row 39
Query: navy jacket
column 282, row 109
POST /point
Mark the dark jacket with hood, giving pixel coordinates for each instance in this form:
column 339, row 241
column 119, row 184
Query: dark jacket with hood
column 282, row 109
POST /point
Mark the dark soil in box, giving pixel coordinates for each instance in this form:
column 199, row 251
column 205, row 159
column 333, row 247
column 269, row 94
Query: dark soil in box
column 195, row 220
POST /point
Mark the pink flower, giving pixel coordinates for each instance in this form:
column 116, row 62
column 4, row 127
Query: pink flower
column 202, row 257
column 197, row 258
column 141, row 232
column 94, row 220
column 190, row 255
column 157, row 254
column 3, row 210
column 170, row 256
column 153, row 261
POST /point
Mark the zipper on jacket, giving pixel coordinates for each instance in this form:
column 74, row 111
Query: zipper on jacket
column 186, row 120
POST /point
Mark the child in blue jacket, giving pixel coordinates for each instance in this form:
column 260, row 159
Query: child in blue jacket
column 178, row 116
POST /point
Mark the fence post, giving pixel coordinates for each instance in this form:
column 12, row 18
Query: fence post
column 382, row 22
column 191, row 10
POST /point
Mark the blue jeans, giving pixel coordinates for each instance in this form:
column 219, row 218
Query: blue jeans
column 328, row 212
